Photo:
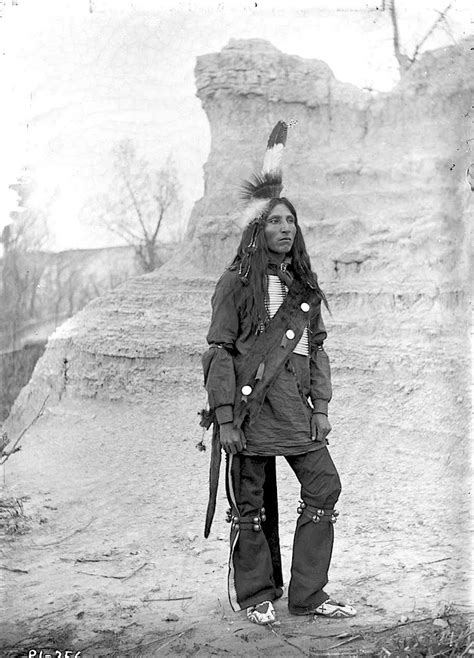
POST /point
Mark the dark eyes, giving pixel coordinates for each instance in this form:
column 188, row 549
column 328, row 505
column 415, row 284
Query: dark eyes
column 276, row 220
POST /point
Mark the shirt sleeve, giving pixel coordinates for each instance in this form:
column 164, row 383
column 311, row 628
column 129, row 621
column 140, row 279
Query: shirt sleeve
column 320, row 370
column 218, row 362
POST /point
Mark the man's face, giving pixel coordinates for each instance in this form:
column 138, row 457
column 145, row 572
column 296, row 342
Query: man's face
column 280, row 230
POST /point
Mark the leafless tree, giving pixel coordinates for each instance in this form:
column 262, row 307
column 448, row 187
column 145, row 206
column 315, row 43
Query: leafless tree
column 22, row 264
column 140, row 200
column 405, row 62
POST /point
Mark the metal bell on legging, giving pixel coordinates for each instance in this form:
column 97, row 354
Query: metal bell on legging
column 334, row 516
column 301, row 507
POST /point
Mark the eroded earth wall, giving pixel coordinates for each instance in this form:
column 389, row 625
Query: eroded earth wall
column 378, row 179
column 379, row 183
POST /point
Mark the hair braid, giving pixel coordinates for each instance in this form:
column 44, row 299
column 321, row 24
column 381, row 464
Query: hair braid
column 252, row 259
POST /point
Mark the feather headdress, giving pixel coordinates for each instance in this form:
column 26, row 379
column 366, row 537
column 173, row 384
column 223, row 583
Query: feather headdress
column 268, row 184
column 260, row 189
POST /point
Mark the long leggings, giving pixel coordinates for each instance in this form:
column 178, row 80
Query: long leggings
column 251, row 571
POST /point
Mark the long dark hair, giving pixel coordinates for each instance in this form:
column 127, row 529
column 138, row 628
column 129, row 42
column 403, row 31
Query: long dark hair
column 252, row 259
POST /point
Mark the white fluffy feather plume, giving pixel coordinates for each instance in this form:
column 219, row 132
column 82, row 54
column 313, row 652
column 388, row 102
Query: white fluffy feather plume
column 268, row 183
column 252, row 210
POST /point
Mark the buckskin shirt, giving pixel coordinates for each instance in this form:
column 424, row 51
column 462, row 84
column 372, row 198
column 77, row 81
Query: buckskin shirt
column 303, row 386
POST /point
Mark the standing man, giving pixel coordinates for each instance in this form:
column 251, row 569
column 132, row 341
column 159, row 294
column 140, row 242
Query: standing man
column 269, row 385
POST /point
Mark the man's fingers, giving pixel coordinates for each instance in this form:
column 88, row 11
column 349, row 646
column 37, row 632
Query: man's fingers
column 236, row 447
column 325, row 432
column 320, row 428
column 234, row 443
column 229, row 448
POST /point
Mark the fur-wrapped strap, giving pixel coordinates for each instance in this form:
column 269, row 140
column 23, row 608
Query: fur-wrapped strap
column 214, row 469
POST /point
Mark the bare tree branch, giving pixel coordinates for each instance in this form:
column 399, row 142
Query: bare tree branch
column 404, row 61
column 447, row 28
column 137, row 208
column 5, row 455
column 441, row 18
column 121, row 230
column 140, row 201
column 158, row 224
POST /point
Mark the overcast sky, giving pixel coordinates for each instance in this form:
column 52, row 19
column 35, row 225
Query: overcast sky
column 80, row 75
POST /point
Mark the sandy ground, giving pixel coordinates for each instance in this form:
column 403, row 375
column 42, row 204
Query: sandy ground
column 112, row 558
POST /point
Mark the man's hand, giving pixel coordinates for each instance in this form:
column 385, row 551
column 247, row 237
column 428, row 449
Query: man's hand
column 232, row 439
column 320, row 427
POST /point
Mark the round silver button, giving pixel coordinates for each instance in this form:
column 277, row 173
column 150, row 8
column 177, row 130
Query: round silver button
column 246, row 390
column 304, row 307
column 290, row 334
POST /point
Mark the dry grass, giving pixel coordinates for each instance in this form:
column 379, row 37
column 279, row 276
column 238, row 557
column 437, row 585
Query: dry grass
column 452, row 641
column 13, row 520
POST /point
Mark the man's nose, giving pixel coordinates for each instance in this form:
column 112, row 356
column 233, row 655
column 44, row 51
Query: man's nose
column 286, row 226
